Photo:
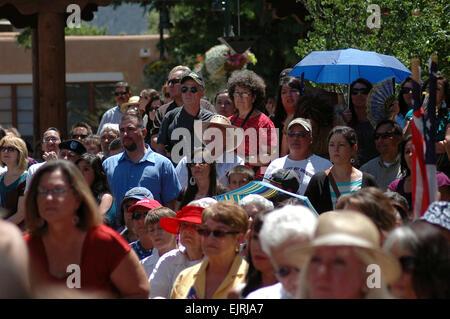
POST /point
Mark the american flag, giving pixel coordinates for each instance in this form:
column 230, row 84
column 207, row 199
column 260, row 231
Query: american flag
column 423, row 130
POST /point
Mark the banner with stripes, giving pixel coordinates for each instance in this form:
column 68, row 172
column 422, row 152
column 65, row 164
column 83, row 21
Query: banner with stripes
column 264, row 189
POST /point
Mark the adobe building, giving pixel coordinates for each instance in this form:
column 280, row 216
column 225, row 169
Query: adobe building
column 93, row 65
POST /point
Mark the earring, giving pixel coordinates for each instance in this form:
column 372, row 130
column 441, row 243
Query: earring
column 192, row 181
column 75, row 220
column 352, row 161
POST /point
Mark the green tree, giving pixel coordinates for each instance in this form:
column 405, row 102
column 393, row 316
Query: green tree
column 197, row 27
column 408, row 29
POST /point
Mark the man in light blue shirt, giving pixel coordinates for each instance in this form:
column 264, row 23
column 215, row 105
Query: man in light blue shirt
column 140, row 166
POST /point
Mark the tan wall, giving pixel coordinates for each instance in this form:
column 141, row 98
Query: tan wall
column 86, row 54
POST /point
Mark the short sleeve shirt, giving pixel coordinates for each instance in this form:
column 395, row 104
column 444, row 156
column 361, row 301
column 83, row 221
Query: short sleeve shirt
column 153, row 171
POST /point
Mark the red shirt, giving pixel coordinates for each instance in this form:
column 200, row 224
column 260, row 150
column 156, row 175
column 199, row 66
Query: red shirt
column 103, row 250
column 264, row 132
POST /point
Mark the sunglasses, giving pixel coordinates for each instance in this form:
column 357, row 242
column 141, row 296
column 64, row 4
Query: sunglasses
column 50, row 139
column 298, row 134
column 383, row 136
column 137, row 216
column 120, row 93
column 8, row 149
column 408, row 263
column 216, row 233
column 173, row 81
column 405, row 90
column 361, row 91
column 76, row 136
column 151, row 109
column 193, row 89
column 196, row 163
column 285, row 271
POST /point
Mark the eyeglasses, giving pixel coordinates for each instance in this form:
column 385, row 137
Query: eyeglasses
column 50, row 139
column 364, row 91
column 120, row 93
column 285, row 271
column 151, row 109
column 137, row 216
column 408, row 263
column 57, row 191
column 8, row 149
column 196, row 163
column 384, row 136
column 173, row 81
column 77, row 136
column 216, row 233
column 241, row 94
column 406, row 90
column 298, row 134
column 193, row 89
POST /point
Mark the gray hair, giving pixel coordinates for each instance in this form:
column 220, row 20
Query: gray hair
column 404, row 237
column 204, row 202
column 257, row 200
column 284, row 224
column 110, row 127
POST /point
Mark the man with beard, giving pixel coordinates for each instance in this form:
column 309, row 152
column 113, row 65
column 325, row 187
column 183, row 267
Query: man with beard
column 140, row 166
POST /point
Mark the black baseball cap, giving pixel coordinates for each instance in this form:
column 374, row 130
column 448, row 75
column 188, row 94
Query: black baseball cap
column 287, row 178
column 73, row 145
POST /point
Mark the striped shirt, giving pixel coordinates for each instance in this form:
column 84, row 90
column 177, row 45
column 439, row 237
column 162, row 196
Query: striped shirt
column 345, row 188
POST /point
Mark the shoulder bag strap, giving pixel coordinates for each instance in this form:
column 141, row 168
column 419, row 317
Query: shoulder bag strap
column 333, row 183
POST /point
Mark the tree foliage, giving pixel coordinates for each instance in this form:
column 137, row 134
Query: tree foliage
column 408, row 29
column 197, row 27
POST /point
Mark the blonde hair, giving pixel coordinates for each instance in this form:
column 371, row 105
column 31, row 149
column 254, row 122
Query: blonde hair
column 88, row 213
column 19, row 144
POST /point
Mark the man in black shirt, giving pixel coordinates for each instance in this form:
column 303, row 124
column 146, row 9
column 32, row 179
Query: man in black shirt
column 176, row 137
column 174, row 89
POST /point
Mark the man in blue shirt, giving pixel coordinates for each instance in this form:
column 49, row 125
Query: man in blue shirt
column 122, row 93
column 140, row 166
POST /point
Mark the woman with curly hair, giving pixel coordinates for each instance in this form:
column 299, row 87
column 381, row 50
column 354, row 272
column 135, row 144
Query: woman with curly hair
column 247, row 90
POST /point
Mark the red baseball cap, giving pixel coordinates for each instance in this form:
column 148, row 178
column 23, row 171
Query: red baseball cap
column 188, row 214
column 146, row 203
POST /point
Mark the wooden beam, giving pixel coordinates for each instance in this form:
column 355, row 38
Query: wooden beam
column 52, row 69
column 35, row 71
column 14, row 105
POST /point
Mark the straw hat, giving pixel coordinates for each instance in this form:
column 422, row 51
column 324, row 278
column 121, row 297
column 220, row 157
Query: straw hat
column 188, row 214
column 134, row 100
column 218, row 120
column 348, row 228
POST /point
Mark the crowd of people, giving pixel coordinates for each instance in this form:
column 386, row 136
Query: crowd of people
column 130, row 211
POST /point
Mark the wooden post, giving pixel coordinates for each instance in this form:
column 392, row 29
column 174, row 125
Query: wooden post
column 35, row 67
column 52, row 69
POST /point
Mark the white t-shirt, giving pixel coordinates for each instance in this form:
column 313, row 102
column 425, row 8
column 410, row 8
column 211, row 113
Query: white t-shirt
column 149, row 262
column 167, row 270
column 31, row 171
column 305, row 169
column 221, row 168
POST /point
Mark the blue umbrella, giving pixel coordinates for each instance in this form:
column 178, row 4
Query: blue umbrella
column 345, row 66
